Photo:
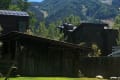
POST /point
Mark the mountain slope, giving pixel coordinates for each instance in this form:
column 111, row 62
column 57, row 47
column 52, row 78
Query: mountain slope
column 59, row 9
column 34, row 8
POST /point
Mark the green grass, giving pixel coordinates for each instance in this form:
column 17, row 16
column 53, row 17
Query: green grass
column 50, row 78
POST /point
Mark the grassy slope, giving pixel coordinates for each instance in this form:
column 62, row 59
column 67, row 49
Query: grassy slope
column 50, row 78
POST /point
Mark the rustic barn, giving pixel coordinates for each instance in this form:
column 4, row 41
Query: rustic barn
column 36, row 56
column 13, row 21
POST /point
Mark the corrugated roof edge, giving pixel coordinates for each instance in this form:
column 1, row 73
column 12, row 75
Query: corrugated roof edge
column 13, row 13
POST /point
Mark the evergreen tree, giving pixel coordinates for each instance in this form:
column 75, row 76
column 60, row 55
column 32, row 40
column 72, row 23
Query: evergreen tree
column 14, row 7
column 42, row 30
column 32, row 21
column 117, row 22
column 117, row 26
column 51, row 31
column 23, row 4
column 118, row 39
column 58, row 23
column 75, row 20
column 4, row 4
column 54, row 33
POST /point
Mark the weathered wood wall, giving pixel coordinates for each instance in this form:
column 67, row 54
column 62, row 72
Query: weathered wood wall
column 12, row 23
column 48, row 60
column 37, row 56
column 105, row 66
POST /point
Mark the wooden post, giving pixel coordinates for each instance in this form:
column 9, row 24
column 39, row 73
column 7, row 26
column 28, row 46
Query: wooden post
column 13, row 50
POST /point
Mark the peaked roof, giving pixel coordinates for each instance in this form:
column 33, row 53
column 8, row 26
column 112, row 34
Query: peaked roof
column 13, row 13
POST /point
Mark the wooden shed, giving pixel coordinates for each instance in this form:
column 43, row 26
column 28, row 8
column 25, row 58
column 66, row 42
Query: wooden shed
column 13, row 21
column 36, row 56
column 99, row 34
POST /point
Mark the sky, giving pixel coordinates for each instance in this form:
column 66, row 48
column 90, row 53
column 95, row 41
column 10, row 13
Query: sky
column 35, row 0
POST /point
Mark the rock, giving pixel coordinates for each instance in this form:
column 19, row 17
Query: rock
column 99, row 76
column 113, row 78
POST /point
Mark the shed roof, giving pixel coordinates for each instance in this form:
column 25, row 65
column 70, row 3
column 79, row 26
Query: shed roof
column 93, row 24
column 36, row 40
column 13, row 13
column 101, row 25
column 72, row 28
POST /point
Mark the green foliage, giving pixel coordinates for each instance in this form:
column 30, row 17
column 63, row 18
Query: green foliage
column 51, row 78
column 58, row 23
column 50, row 31
column 23, row 4
column 96, row 51
column 29, row 31
column 42, row 30
column 32, row 20
column 118, row 39
column 58, row 9
column 14, row 7
column 117, row 22
column 4, row 4
column 117, row 26
column 54, row 32
column 75, row 20
column 18, row 5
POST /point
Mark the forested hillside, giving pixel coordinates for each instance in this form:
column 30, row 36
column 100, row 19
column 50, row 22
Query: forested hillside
column 34, row 8
column 86, row 9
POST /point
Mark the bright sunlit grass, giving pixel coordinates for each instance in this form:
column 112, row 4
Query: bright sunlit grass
column 50, row 78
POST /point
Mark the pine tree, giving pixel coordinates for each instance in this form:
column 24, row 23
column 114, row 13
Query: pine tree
column 118, row 39
column 75, row 20
column 54, row 33
column 32, row 21
column 51, row 31
column 117, row 26
column 117, row 22
column 14, row 7
column 42, row 30
column 58, row 23
column 4, row 4
column 23, row 4
column 18, row 5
